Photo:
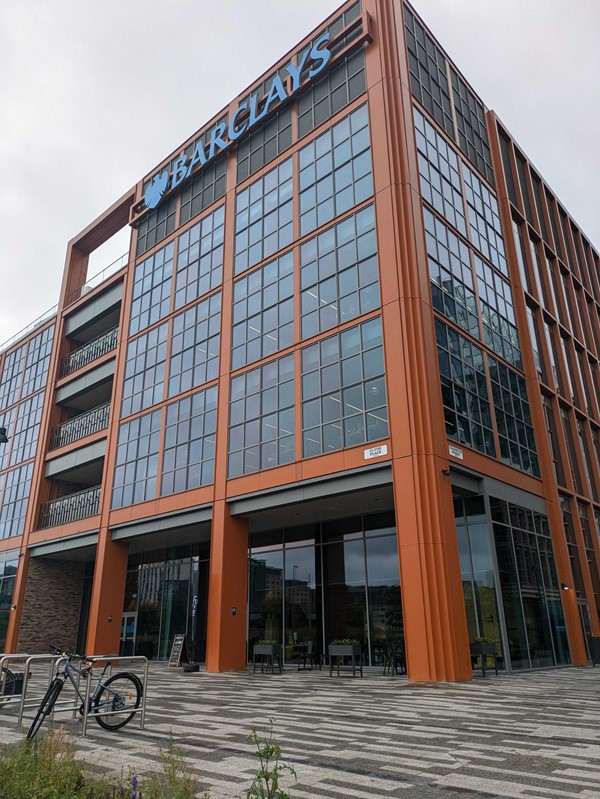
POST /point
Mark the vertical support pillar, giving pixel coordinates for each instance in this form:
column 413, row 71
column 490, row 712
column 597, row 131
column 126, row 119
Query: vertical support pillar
column 108, row 594
column 18, row 601
column 437, row 647
column 437, row 644
column 227, row 592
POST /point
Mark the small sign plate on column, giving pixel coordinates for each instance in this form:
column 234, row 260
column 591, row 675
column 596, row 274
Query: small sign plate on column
column 376, row 452
column 455, row 452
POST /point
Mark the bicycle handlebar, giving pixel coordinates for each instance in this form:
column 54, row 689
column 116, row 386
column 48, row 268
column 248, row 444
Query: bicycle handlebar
column 69, row 655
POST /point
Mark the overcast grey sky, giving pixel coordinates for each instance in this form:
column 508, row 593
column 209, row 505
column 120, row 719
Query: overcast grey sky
column 94, row 94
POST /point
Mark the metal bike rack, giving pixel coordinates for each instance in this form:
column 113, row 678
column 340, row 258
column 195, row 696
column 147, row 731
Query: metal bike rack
column 27, row 660
column 72, row 704
column 5, row 661
column 97, row 659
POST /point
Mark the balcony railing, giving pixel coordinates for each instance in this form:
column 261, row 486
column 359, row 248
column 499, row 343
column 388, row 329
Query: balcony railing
column 89, row 352
column 70, row 508
column 81, row 426
column 97, row 279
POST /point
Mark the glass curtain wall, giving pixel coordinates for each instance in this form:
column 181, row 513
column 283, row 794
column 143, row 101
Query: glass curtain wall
column 166, row 594
column 321, row 582
column 477, row 570
column 523, row 580
column 535, row 626
column 8, row 571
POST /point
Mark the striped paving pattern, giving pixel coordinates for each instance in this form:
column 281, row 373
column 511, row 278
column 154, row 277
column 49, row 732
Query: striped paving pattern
column 534, row 736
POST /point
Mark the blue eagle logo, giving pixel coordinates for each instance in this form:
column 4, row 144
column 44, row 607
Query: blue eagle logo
column 156, row 189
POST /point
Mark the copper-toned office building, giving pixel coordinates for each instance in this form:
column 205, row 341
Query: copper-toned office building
column 345, row 384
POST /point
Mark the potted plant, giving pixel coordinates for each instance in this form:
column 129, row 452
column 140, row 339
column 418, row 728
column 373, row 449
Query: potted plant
column 268, row 652
column 345, row 647
column 482, row 646
column 268, row 647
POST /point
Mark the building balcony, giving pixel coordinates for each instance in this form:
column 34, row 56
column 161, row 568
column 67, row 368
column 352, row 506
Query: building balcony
column 89, row 352
column 81, row 426
column 70, row 508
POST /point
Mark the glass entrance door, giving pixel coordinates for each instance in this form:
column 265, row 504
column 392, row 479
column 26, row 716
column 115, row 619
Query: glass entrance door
column 128, row 625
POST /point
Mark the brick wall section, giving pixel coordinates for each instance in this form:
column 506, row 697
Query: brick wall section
column 52, row 605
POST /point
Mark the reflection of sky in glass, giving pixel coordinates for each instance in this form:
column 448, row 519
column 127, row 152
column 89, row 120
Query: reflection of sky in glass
column 300, row 565
column 382, row 561
column 351, row 553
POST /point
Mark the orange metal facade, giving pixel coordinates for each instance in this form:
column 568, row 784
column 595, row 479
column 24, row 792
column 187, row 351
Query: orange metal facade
column 422, row 470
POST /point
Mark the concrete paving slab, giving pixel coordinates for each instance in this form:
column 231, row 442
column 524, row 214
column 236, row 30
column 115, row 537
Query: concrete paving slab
column 529, row 736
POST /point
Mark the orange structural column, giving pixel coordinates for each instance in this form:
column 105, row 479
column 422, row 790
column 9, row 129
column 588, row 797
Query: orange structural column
column 434, row 614
column 228, row 591
column 18, row 599
column 108, row 594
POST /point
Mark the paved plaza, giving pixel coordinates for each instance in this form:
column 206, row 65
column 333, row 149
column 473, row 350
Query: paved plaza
column 532, row 736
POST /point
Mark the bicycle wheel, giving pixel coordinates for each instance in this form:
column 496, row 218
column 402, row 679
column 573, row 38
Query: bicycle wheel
column 120, row 692
column 7, row 682
column 46, row 705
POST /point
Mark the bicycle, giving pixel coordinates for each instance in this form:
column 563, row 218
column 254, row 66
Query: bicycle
column 120, row 692
column 7, row 683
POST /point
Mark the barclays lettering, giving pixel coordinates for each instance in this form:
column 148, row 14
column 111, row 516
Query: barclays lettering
column 246, row 116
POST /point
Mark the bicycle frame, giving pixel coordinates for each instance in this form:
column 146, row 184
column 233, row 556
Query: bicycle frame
column 69, row 668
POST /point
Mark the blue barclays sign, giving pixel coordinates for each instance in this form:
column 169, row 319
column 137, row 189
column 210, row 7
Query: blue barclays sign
column 246, row 117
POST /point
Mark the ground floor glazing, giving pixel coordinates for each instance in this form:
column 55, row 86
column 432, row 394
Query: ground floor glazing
column 340, row 579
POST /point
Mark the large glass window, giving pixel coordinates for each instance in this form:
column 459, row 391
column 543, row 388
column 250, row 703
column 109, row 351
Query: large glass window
column 450, row 274
column 166, row 593
column 472, row 130
column 477, row 569
column 484, row 220
column 38, row 360
column 530, row 592
column 559, row 472
column 572, row 545
column 339, row 87
column 143, row 385
column 264, row 144
column 195, row 345
column 536, row 346
column 464, row 390
column 204, row 189
column 151, row 298
column 137, row 460
column 498, row 313
column 12, row 376
column 200, row 259
column 156, row 225
column 439, row 173
column 315, row 583
column 343, row 390
column 266, row 588
column 588, row 543
column 428, row 76
column 261, row 418
column 8, row 571
column 263, row 311
column 571, row 453
column 513, row 418
column 189, row 447
column 14, row 495
column 6, row 420
column 335, row 171
column 264, row 217
column 26, row 429
column 339, row 275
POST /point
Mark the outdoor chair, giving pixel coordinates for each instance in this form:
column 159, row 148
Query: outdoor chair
column 309, row 654
column 393, row 659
